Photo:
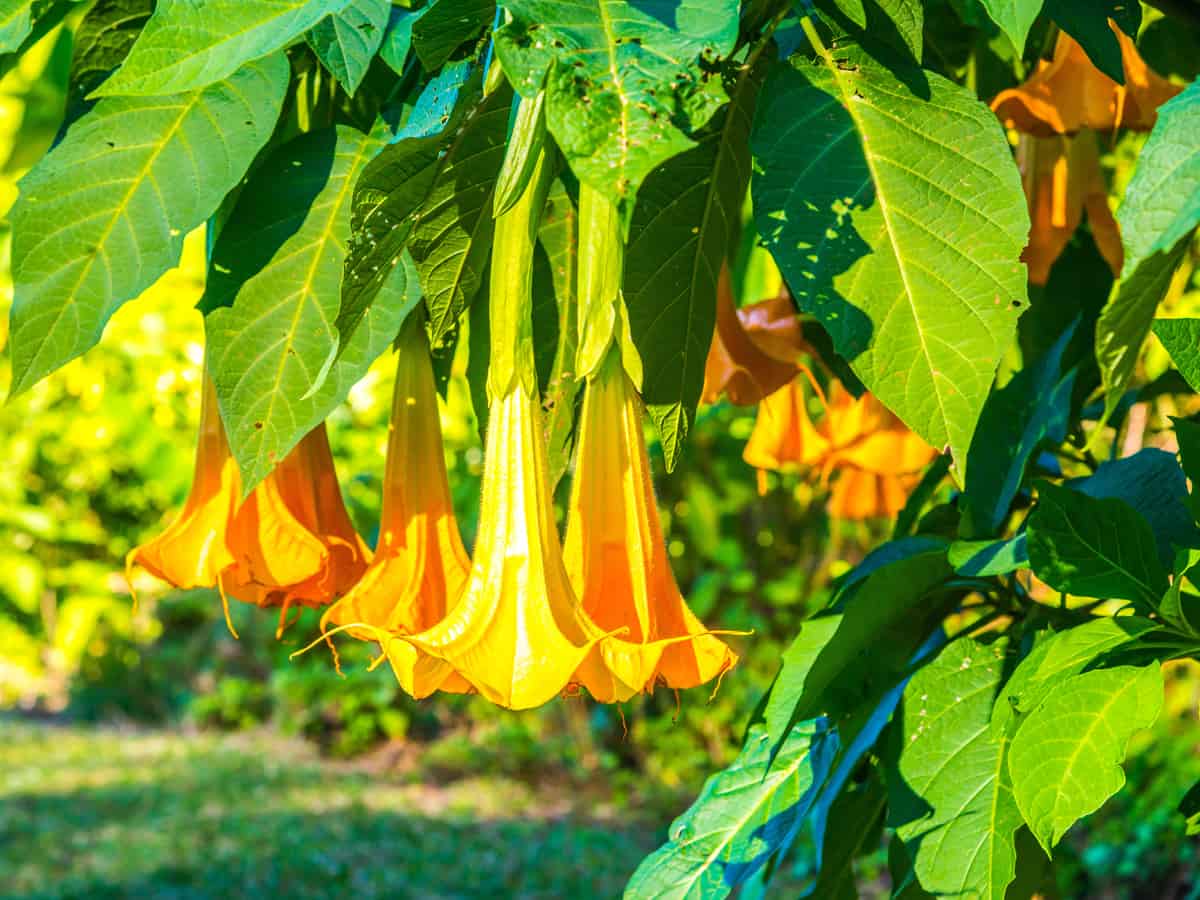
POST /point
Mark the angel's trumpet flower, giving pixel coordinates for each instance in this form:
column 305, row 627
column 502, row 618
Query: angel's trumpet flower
column 1069, row 93
column 754, row 350
column 617, row 557
column 290, row 542
column 784, row 438
column 1062, row 178
column 420, row 564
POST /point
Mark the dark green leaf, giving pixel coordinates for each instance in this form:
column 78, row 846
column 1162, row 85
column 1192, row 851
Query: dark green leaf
column 398, row 37
column 622, row 78
column 347, row 41
column 446, row 25
column 1014, row 18
column 896, row 23
column 851, row 166
column 1171, row 50
column 1093, row 547
column 1189, row 808
column 1181, row 338
column 188, row 45
column 1179, row 607
column 1188, row 434
column 934, row 475
column 743, row 815
column 951, row 799
column 1087, row 22
column 277, row 267
column 1065, row 760
column 102, row 42
column 692, row 204
column 106, row 211
column 852, row 826
column 1033, row 407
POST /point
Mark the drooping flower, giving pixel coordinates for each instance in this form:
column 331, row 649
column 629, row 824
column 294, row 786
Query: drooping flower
column 617, row 558
column 754, row 350
column 290, row 542
column 1062, row 178
column 420, row 565
column 872, row 456
column 1069, row 93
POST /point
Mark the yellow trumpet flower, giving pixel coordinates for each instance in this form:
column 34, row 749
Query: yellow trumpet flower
column 617, row 558
column 420, row 565
column 290, row 542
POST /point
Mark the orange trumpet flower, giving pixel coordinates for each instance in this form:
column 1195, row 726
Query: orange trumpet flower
column 290, row 542
column 617, row 558
column 420, row 565
column 1068, row 93
column 754, row 349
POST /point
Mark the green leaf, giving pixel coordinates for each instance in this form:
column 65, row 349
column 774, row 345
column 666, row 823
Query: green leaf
column 1127, row 318
column 1189, row 808
column 744, row 813
column 1058, row 657
column 796, row 664
column 16, row 21
column 1188, row 434
column 429, row 192
column 851, row 166
column 447, row 24
column 897, row 23
column 277, row 266
column 102, row 42
column 1162, row 202
column 622, row 78
column 398, row 37
column 1033, row 407
column 852, row 827
column 1087, row 22
column 1181, row 338
column 188, row 45
column 952, row 801
column 106, row 211
column 1093, row 547
column 984, row 558
column 692, row 204
column 1178, row 607
column 347, row 41
column 1014, row 18
column 1065, row 760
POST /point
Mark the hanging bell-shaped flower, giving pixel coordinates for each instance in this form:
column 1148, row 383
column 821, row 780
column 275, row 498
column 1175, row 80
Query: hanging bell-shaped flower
column 784, row 438
column 617, row 557
column 420, row 565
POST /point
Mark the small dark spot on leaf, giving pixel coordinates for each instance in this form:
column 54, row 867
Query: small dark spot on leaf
column 258, row 426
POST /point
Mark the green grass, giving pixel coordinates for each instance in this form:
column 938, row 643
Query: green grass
column 104, row 813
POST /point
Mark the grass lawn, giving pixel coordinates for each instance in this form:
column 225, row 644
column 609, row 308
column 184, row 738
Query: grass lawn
column 101, row 813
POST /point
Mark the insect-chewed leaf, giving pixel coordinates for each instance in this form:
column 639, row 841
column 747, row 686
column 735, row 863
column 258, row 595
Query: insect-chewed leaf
column 106, row 211
column 951, row 798
column 277, row 266
column 445, row 25
column 346, row 42
column 622, row 77
column 692, row 205
column 189, row 44
column 1066, row 758
column 852, row 165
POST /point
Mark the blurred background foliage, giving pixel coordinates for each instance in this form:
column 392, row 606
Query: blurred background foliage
column 98, row 457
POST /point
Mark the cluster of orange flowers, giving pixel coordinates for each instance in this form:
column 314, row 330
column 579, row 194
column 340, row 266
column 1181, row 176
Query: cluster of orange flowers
column 756, row 359
column 1057, row 113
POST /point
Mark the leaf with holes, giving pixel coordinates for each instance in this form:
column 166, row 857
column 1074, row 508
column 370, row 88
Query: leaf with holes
column 188, row 45
column 273, row 296
column 952, row 802
column 623, row 85
column 106, row 211
column 346, row 42
column 895, row 212
column 1065, row 760
column 692, row 204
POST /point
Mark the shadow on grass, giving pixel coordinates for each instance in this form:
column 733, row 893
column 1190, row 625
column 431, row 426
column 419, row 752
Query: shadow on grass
column 186, row 821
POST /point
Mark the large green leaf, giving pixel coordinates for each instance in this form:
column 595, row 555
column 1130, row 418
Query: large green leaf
column 106, row 211
column 1014, row 18
column 187, row 44
column 691, row 204
column 346, row 42
column 1087, row 22
column 1162, row 201
column 1127, row 318
column 276, row 270
column 1057, row 657
column 102, row 41
column 742, row 816
column 1181, row 338
column 896, row 23
column 445, row 25
column 896, row 214
column 1066, row 758
column 623, row 84
column 1094, row 547
column 430, row 191
column 852, row 828
column 952, row 801
column 16, row 21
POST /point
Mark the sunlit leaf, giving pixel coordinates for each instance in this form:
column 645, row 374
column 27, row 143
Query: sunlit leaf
column 102, row 41
column 345, row 42
column 1014, row 18
column 16, row 21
